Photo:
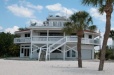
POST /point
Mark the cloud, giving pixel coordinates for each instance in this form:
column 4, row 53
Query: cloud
column 21, row 11
column 24, row 9
column 11, row 30
column 60, row 10
column 94, row 13
column 1, row 28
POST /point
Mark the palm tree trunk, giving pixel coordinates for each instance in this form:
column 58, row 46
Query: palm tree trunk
column 79, row 52
column 106, row 35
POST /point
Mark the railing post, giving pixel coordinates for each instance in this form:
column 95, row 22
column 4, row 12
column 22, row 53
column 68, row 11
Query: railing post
column 31, row 45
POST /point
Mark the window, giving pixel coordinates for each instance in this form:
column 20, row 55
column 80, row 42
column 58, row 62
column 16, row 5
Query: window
column 73, row 34
column 55, row 34
column 22, row 50
column 83, row 35
column 27, row 35
column 56, row 51
column 68, row 53
column 73, row 53
column 54, row 23
column 43, row 34
column 90, row 36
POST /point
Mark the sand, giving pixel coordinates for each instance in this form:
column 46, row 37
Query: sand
column 34, row 67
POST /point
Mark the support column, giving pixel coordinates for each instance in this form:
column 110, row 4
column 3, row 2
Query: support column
column 64, row 48
column 20, row 51
column 92, row 54
column 64, row 51
column 31, row 45
column 47, row 52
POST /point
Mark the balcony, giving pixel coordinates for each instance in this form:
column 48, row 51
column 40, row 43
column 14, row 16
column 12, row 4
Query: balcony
column 53, row 39
column 22, row 40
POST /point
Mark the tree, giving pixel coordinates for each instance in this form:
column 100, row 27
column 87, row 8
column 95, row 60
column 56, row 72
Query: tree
column 7, row 47
column 105, row 6
column 78, row 23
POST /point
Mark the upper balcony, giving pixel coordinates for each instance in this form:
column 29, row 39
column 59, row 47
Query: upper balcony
column 52, row 39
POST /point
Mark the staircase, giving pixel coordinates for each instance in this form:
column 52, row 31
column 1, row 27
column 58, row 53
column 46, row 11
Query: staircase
column 50, row 49
column 57, row 44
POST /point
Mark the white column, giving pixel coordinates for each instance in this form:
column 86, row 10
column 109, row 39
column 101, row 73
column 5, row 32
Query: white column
column 31, row 44
column 92, row 54
column 20, row 51
column 64, row 48
column 47, row 44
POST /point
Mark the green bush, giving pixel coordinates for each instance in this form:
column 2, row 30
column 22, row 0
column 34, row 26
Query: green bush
column 112, row 57
column 108, row 55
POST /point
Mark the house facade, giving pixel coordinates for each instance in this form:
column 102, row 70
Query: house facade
column 49, row 39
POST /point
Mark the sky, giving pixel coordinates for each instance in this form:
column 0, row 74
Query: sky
column 16, row 14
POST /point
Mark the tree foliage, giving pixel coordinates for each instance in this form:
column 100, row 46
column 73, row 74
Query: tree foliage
column 105, row 6
column 7, row 47
column 78, row 22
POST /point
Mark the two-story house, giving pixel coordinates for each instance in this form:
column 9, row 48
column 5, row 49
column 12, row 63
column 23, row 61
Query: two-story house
column 50, row 38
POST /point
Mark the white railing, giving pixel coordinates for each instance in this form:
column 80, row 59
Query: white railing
column 55, row 39
column 49, row 25
column 22, row 40
column 45, row 38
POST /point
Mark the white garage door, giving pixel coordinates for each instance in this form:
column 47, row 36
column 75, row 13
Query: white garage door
column 86, row 54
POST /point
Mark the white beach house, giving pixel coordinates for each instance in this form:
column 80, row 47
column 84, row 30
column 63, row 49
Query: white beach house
column 50, row 38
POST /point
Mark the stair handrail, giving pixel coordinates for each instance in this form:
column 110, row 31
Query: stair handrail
column 58, row 42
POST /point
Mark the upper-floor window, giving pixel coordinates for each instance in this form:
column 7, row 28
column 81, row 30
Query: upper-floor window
column 54, row 23
column 90, row 36
column 55, row 34
column 43, row 34
column 73, row 34
column 60, row 23
column 27, row 35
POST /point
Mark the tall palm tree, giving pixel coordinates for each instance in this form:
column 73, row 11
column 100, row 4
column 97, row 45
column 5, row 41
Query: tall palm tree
column 105, row 6
column 78, row 22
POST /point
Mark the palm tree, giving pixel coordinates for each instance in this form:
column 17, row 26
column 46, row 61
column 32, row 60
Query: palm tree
column 78, row 22
column 107, row 7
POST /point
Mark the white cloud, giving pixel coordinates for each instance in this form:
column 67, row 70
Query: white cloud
column 94, row 13
column 60, row 10
column 112, row 28
column 11, row 30
column 21, row 11
column 37, row 7
column 24, row 9
column 1, row 28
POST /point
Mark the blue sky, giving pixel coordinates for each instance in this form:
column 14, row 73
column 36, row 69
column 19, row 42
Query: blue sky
column 19, row 13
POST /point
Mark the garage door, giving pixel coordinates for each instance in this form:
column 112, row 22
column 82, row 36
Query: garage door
column 86, row 54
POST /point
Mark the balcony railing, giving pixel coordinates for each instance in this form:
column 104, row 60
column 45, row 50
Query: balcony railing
column 45, row 38
column 52, row 39
column 22, row 40
column 48, row 25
